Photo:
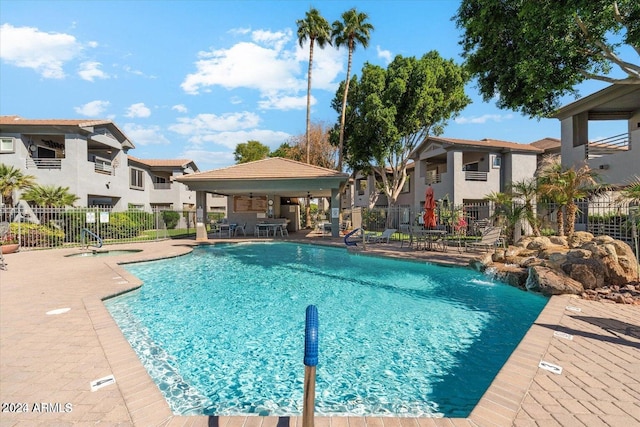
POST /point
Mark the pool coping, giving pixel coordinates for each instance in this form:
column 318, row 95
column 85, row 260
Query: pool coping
column 55, row 357
column 147, row 406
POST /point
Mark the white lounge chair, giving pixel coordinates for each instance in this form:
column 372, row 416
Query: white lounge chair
column 490, row 238
column 384, row 237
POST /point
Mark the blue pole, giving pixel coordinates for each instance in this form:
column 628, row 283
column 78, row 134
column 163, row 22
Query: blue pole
column 310, row 362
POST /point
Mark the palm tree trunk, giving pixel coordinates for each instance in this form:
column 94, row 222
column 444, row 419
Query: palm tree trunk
column 344, row 107
column 560, row 221
column 571, row 217
column 309, row 98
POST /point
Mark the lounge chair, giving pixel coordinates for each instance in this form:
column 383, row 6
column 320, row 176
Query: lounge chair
column 490, row 238
column 384, row 237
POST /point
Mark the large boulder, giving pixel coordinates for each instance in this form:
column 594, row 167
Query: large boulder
column 578, row 238
column 549, row 282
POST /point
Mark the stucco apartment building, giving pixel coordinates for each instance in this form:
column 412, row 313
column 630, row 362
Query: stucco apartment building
column 92, row 158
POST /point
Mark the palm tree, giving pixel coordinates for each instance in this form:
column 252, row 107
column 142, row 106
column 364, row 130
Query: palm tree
column 50, row 196
column 317, row 29
column 631, row 191
column 351, row 31
column 527, row 189
column 506, row 212
column 12, row 179
column 565, row 186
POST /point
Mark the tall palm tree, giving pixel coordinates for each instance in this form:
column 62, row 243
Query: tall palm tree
column 506, row 212
column 527, row 189
column 353, row 30
column 50, row 196
column 12, row 179
column 317, row 29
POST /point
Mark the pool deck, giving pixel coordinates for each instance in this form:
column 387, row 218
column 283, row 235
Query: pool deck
column 49, row 360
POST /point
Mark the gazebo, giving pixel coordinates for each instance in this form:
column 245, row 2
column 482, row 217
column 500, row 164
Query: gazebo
column 268, row 188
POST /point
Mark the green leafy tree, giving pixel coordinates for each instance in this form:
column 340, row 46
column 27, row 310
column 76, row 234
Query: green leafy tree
column 531, row 53
column 351, row 31
column 12, row 179
column 317, row 29
column 50, row 196
column 392, row 111
column 250, row 151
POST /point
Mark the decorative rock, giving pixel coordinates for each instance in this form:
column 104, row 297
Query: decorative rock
column 549, row 282
column 600, row 268
column 539, row 243
column 578, row 238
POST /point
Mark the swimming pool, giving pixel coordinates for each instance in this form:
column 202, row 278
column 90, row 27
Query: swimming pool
column 221, row 331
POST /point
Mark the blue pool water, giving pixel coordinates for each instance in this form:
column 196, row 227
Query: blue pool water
column 221, row 331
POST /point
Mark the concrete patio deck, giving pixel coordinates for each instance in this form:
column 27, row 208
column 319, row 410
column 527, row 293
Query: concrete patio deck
column 47, row 361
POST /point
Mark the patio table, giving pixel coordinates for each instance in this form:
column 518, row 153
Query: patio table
column 430, row 237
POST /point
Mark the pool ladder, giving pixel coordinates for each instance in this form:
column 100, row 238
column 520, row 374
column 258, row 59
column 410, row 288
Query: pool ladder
column 83, row 238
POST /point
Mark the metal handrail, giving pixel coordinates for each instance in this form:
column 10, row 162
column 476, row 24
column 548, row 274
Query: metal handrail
column 83, row 237
column 606, row 146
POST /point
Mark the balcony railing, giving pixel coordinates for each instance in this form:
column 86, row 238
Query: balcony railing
column 432, row 177
column 475, row 176
column 607, row 146
column 44, row 163
column 161, row 185
column 104, row 168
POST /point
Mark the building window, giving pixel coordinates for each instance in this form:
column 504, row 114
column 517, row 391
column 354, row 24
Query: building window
column 136, row 180
column 7, row 145
column 497, row 162
column 407, row 185
column 362, row 186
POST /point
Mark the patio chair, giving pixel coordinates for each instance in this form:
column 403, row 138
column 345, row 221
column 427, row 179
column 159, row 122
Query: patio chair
column 490, row 238
column 242, row 228
column 384, row 237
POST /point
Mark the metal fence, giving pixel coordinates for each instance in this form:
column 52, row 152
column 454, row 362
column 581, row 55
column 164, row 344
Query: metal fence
column 43, row 228
column 605, row 215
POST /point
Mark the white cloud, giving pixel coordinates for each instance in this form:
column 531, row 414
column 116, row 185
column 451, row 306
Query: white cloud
column 483, row 119
column 235, row 100
column 145, row 135
column 385, row 55
column 90, row 70
column 138, row 110
column 226, row 131
column 93, row 108
column 271, row 63
column 210, row 123
column 45, row 53
column 230, row 140
column 180, row 108
column 239, row 31
column 208, row 159
column 286, row 103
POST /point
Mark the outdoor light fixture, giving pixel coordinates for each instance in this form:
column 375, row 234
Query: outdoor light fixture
column 251, row 195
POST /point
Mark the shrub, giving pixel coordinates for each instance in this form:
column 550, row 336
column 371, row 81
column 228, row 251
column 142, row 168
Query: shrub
column 37, row 235
column 171, row 219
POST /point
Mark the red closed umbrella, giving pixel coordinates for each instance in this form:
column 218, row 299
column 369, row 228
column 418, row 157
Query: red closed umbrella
column 429, row 209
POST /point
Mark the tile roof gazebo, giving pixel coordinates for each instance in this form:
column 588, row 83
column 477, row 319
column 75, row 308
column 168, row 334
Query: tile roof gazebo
column 274, row 177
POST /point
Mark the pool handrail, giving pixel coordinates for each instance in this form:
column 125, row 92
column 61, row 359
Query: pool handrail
column 83, row 237
column 310, row 362
column 351, row 242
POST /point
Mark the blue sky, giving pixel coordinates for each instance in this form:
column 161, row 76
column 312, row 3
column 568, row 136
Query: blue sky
column 192, row 79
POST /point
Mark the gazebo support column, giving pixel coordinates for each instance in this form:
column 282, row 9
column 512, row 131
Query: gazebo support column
column 201, row 213
column 335, row 219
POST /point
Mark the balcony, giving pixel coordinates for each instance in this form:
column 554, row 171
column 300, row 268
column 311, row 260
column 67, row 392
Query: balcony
column 162, row 186
column 475, row 176
column 607, row 146
column 103, row 168
column 432, row 177
column 43, row 163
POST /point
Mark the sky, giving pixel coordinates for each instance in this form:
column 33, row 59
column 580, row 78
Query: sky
column 192, row 79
